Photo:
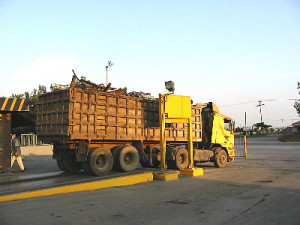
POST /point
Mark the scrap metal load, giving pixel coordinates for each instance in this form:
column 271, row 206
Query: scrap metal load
column 97, row 127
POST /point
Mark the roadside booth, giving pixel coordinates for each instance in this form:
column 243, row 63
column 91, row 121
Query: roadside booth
column 10, row 109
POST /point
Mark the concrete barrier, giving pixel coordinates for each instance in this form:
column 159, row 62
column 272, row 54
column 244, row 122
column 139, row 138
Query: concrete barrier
column 89, row 186
column 38, row 150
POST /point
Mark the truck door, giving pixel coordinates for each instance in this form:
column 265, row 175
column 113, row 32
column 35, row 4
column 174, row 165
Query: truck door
column 223, row 133
column 207, row 125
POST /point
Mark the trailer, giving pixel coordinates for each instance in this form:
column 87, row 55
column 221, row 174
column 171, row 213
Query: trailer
column 98, row 129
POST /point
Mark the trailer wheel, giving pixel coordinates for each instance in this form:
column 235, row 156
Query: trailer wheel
column 85, row 167
column 127, row 158
column 221, row 159
column 70, row 165
column 60, row 164
column 181, row 159
column 144, row 161
column 100, row 161
column 171, row 164
column 114, row 151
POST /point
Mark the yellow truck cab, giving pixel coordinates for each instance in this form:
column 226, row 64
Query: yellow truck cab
column 216, row 142
column 218, row 135
column 222, row 134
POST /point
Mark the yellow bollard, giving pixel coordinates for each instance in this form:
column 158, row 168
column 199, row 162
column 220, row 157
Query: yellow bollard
column 245, row 146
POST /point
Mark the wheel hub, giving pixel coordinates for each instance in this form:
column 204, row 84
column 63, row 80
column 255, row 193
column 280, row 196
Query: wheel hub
column 222, row 158
column 128, row 158
column 182, row 158
column 101, row 161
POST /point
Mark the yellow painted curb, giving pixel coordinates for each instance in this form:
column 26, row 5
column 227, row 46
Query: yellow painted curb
column 193, row 172
column 166, row 176
column 120, row 181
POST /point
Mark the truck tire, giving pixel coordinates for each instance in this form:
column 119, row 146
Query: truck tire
column 114, row 151
column 144, row 161
column 86, row 168
column 181, row 159
column 127, row 158
column 171, row 164
column 60, row 164
column 70, row 165
column 100, row 161
column 221, row 159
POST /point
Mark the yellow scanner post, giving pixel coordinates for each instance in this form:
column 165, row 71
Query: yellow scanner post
column 174, row 109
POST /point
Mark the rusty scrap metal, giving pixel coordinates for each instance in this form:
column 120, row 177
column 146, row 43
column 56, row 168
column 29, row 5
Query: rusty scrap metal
column 58, row 87
column 121, row 91
column 83, row 83
column 140, row 94
column 86, row 84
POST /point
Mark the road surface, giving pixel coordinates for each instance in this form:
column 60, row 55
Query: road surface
column 264, row 189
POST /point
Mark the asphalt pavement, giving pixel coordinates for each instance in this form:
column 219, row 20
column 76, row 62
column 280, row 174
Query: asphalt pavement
column 264, row 189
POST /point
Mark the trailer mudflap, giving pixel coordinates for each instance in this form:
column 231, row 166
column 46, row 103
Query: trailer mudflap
column 83, row 147
column 81, row 158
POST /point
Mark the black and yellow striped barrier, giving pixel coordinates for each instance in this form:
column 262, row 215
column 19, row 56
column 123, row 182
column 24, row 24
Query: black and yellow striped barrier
column 14, row 104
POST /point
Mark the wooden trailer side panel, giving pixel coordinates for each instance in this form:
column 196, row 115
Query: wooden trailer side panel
column 84, row 114
column 100, row 116
column 53, row 116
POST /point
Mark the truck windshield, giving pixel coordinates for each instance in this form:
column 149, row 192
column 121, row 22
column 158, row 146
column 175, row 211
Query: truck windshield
column 228, row 124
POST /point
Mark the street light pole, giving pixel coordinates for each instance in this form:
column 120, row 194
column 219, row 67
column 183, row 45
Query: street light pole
column 108, row 66
column 260, row 105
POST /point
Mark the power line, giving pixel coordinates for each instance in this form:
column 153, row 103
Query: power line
column 266, row 100
column 281, row 99
column 242, row 103
column 282, row 120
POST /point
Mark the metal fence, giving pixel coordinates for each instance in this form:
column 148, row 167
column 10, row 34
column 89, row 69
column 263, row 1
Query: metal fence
column 240, row 144
column 29, row 139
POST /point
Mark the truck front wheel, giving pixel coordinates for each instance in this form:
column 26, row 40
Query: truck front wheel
column 100, row 161
column 221, row 159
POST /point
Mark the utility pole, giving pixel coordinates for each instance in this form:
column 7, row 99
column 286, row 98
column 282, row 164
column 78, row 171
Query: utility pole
column 246, row 123
column 108, row 66
column 260, row 105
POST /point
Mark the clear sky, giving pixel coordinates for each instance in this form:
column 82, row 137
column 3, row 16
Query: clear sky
column 228, row 52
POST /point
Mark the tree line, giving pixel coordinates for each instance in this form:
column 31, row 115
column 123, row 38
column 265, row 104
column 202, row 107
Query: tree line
column 29, row 117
